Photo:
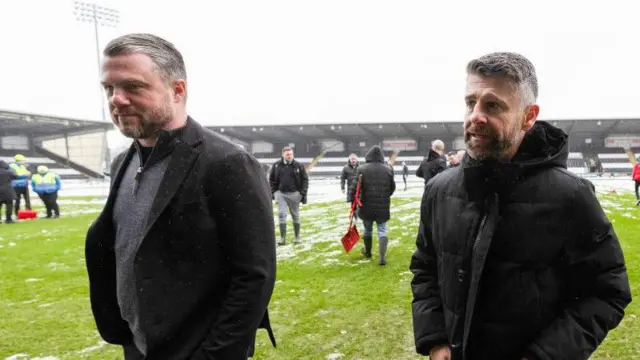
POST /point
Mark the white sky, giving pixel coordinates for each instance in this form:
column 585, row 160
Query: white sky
column 275, row 62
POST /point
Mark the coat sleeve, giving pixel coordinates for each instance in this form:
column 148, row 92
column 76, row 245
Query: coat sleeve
column 420, row 170
column 100, row 260
column 343, row 177
column 305, row 181
column 273, row 183
column 393, row 184
column 597, row 280
column 428, row 316
column 247, row 227
column 354, row 185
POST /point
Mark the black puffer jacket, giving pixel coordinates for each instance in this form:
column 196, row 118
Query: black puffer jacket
column 545, row 276
column 431, row 166
column 6, row 175
column 377, row 187
column 348, row 175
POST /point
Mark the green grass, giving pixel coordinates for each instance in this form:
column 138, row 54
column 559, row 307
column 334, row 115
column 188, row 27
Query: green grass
column 325, row 302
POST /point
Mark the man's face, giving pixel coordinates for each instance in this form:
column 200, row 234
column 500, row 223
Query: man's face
column 288, row 155
column 140, row 101
column 495, row 121
column 353, row 160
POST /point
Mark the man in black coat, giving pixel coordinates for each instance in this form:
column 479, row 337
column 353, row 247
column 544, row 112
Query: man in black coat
column 405, row 174
column 348, row 174
column 515, row 257
column 181, row 261
column 377, row 186
column 289, row 185
column 434, row 163
column 7, row 194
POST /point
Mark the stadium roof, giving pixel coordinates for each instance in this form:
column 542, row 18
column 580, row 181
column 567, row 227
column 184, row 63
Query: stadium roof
column 379, row 131
column 38, row 125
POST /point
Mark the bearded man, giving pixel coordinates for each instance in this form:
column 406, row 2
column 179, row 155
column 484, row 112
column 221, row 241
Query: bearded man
column 515, row 257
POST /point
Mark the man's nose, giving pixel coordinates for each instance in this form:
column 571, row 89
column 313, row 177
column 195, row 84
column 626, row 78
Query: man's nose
column 477, row 116
column 119, row 98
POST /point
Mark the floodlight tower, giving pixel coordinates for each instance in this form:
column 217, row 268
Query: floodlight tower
column 98, row 16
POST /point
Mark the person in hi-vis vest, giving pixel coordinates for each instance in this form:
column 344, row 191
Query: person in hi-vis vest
column 21, row 182
column 47, row 184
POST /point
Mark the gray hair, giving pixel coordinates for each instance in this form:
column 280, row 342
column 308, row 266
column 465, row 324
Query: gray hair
column 511, row 65
column 437, row 145
column 163, row 53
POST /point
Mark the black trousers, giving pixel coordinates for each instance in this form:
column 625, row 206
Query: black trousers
column 24, row 192
column 51, row 203
column 8, row 210
column 637, row 187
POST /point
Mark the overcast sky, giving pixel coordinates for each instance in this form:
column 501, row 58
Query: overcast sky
column 274, row 62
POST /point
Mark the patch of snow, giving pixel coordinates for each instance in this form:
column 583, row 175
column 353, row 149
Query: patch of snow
column 334, row 356
column 93, row 348
column 16, row 357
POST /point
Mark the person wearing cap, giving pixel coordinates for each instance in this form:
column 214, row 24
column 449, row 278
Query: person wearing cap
column 47, row 184
column 21, row 182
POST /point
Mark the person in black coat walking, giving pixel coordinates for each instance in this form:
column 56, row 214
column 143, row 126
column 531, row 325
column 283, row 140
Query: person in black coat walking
column 289, row 185
column 405, row 174
column 377, row 186
column 7, row 194
column 434, row 163
column 181, row 261
column 515, row 257
column 348, row 174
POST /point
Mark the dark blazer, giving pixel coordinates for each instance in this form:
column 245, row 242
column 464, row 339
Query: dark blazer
column 205, row 269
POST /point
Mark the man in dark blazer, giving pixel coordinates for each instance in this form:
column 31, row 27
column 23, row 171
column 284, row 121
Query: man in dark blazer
column 181, row 261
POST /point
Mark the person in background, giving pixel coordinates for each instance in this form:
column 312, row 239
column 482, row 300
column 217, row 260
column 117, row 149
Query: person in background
column 455, row 159
column 47, row 184
column 635, row 175
column 434, row 163
column 515, row 257
column 7, row 194
column 349, row 173
column 405, row 174
column 21, row 182
column 289, row 185
column 377, row 186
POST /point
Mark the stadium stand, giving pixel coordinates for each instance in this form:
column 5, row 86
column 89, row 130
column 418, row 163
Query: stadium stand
column 72, row 148
column 596, row 145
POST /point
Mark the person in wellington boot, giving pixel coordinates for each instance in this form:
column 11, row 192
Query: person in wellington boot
column 289, row 185
column 376, row 187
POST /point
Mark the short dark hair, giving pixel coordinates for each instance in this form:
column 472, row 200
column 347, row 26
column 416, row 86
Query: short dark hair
column 163, row 53
column 511, row 65
column 286, row 148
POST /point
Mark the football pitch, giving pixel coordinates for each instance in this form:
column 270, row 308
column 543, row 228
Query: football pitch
column 326, row 304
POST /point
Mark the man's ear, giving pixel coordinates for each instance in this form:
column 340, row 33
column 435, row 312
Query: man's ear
column 179, row 90
column 530, row 116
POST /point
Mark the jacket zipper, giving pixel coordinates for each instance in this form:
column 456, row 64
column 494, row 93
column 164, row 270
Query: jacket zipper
column 479, row 235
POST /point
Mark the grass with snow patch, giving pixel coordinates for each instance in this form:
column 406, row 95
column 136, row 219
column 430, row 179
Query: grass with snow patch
column 326, row 304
